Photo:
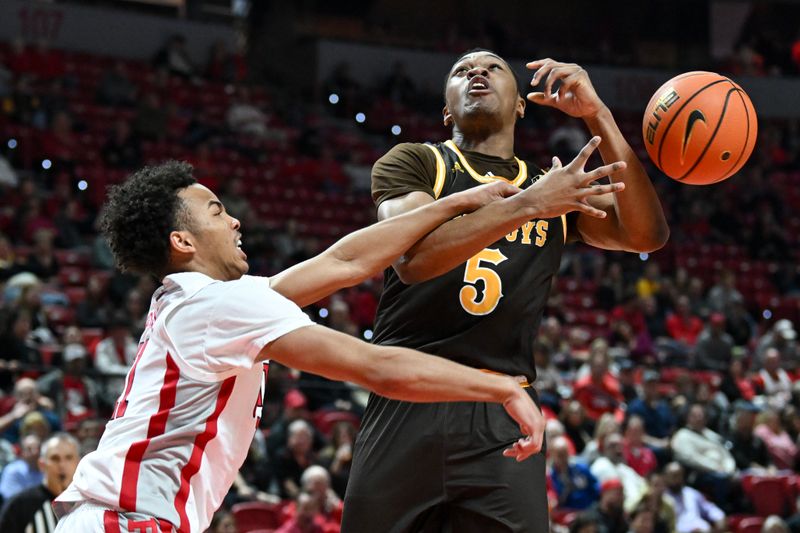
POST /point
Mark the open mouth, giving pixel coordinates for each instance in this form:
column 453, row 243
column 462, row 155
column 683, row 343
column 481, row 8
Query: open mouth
column 478, row 85
column 239, row 248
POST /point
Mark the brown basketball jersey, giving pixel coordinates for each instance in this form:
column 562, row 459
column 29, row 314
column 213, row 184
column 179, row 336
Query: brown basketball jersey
column 484, row 313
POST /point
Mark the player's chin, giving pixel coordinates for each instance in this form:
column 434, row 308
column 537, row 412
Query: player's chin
column 238, row 269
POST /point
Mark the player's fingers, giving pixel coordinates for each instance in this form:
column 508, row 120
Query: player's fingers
column 585, row 153
column 556, row 164
column 587, row 209
column 540, row 99
column 545, row 65
column 505, row 189
column 536, row 63
column 556, row 73
column 596, row 190
column 605, row 170
column 515, row 450
column 575, row 74
column 527, row 447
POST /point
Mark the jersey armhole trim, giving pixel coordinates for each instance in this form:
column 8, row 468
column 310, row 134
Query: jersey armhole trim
column 440, row 172
column 564, row 225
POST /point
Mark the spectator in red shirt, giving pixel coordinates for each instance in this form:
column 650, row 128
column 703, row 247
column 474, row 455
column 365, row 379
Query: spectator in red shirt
column 637, row 455
column 682, row 325
column 75, row 393
column 630, row 310
column 317, row 482
column 306, row 520
column 599, row 392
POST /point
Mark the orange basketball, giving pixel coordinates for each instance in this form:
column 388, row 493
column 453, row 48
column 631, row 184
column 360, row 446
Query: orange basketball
column 700, row 128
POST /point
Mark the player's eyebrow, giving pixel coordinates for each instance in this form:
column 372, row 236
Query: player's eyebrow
column 216, row 203
column 471, row 58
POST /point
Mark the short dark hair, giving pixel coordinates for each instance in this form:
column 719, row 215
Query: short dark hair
column 140, row 214
column 475, row 51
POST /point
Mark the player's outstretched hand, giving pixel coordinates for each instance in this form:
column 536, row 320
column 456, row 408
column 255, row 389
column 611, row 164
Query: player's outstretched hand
column 575, row 95
column 477, row 197
column 567, row 188
column 531, row 422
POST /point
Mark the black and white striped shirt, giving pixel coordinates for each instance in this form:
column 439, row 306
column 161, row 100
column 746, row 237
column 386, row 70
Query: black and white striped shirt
column 29, row 511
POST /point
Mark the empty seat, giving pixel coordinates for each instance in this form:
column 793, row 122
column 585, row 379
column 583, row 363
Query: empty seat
column 256, row 516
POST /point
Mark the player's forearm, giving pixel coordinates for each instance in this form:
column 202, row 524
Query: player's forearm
column 457, row 240
column 639, row 212
column 404, row 374
column 375, row 247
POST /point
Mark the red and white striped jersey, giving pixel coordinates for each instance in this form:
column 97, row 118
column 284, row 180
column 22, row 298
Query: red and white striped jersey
column 192, row 400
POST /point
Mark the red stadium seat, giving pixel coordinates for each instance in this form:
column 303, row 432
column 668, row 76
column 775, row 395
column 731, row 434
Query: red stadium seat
column 750, row 525
column 60, row 316
column 563, row 516
column 73, row 258
column 71, row 276
column 256, row 516
column 75, row 294
column 325, row 420
column 769, row 495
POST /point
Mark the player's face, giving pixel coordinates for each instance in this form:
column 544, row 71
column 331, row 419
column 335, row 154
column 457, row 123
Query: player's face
column 215, row 235
column 481, row 85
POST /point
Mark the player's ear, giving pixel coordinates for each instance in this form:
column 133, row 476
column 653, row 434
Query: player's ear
column 448, row 118
column 520, row 108
column 181, row 242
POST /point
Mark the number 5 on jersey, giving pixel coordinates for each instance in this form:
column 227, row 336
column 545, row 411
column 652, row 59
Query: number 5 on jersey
column 472, row 302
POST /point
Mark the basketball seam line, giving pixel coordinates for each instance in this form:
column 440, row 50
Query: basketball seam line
column 677, row 113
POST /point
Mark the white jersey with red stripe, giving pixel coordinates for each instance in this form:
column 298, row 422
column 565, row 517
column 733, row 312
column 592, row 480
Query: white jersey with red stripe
column 191, row 403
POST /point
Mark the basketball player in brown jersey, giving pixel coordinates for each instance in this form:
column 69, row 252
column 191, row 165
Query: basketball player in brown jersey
column 475, row 289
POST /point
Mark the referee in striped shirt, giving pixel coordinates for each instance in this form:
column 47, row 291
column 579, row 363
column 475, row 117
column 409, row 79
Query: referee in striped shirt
column 30, row 511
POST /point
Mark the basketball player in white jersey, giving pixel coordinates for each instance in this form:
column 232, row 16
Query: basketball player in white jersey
column 192, row 398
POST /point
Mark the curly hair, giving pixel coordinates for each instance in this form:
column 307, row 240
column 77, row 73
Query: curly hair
column 140, row 213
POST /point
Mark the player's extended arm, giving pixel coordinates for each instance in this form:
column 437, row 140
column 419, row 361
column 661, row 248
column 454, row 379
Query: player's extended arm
column 408, row 375
column 365, row 252
column 559, row 191
column 635, row 220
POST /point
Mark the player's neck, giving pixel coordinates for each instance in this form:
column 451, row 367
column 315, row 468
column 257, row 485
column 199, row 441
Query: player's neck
column 497, row 144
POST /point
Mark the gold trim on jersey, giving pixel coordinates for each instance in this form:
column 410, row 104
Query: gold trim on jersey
column 522, row 175
column 441, row 171
column 564, row 225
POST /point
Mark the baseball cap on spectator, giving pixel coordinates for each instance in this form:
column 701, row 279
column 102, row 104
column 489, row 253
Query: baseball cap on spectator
column 650, row 375
column 785, row 329
column 73, row 352
column 294, row 399
column 610, row 484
